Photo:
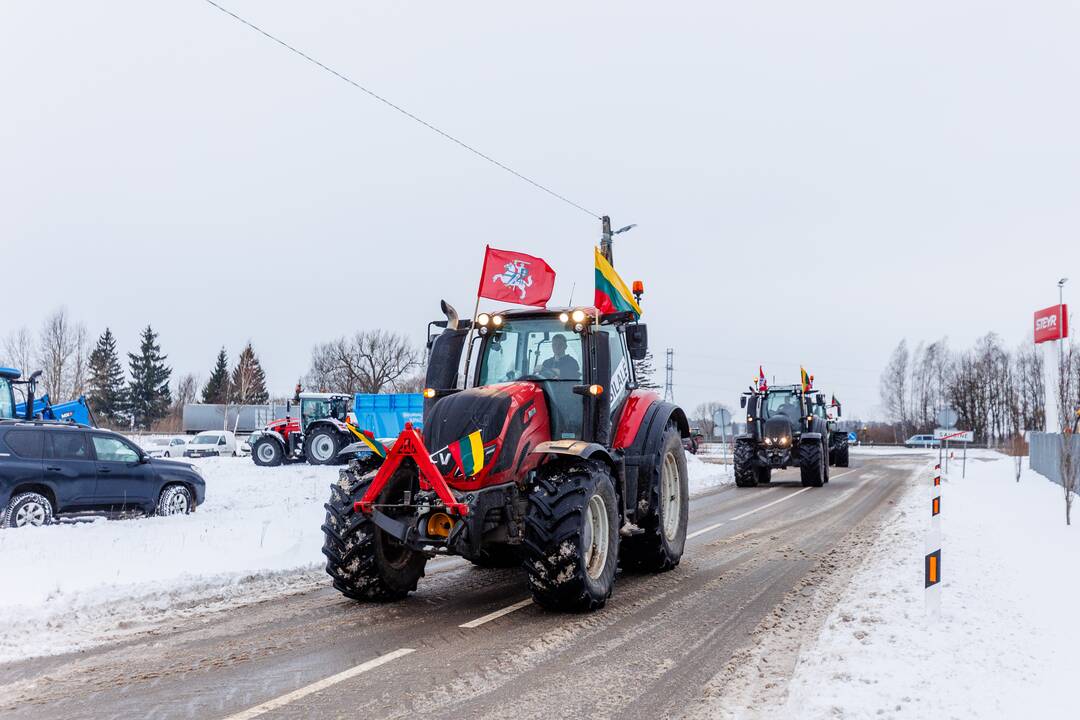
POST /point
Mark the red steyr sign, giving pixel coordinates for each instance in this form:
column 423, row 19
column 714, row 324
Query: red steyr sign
column 1052, row 323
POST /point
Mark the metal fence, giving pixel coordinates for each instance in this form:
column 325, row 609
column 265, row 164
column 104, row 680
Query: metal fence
column 1045, row 449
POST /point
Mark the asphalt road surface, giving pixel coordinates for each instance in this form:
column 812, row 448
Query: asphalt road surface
column 469, row 644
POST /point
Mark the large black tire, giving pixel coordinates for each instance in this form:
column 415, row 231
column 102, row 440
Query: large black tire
column 812, row 464
column 497, row 556
column 267, row 452
column 744, row 464
column 842, row 459
column 364, row 562
column 571, row 549
column 763, row 474
column 660, row 547
column 322, row 445
column 28, row 509
column 175, row 500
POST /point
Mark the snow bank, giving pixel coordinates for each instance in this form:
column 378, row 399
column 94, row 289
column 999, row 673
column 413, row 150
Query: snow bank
column 705, row 475
column 1008, row 644
column 78, row 579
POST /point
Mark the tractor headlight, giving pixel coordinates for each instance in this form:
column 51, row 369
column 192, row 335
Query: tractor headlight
column 497, row 320
column 564, row 318
column 768, row 441
column 483, row 319
column 578, row 316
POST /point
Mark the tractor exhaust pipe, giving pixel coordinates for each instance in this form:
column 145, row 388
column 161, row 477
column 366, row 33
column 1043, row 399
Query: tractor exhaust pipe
column 31, row 390
column 451, row 314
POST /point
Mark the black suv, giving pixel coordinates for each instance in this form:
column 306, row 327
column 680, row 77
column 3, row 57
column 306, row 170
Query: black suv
column 50, row 468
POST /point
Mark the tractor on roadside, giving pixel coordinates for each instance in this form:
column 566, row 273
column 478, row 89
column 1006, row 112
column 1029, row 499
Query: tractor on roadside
column 321, row 435
column 838, row 439
column 784, row 429
column 548, row 456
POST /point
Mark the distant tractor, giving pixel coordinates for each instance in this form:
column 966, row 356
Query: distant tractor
column 549, row 456
column 320, row 435
column 838, row 439
column 783, row 430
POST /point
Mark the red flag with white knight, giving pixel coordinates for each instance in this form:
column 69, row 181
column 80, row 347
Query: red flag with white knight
column 515, row 277
column 762, row 385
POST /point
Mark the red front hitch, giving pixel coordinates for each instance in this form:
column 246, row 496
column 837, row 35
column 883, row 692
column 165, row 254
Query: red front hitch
column 411, row 444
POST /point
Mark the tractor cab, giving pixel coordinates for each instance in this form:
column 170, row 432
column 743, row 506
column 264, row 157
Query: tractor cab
column 322, row 406
column 8, row 376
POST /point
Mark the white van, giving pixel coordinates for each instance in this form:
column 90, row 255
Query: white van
column 211, row 443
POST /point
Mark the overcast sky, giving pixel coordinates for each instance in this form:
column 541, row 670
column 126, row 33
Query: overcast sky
column 812, row 182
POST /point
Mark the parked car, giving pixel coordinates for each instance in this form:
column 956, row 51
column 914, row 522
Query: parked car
column 211, row 443
column 243, row 448
column 166, row 447
column 921, row 441
column 55, row 468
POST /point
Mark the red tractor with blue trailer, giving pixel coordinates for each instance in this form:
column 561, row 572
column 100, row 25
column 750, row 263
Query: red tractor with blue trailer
column 321, row 435
column 551, row 457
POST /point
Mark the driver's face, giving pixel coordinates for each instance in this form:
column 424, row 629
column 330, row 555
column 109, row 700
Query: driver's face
column 558, row 345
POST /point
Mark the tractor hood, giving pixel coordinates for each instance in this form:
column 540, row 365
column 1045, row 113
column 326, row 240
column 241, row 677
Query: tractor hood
column 502, row 413
column 777, row 431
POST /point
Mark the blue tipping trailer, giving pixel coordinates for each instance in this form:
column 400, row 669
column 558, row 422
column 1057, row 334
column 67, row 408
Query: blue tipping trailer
column 385, row 415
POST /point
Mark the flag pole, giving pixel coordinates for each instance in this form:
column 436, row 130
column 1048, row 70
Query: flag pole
column 472, row 323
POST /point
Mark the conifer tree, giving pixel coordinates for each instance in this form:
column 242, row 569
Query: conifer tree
column 148, row 396
column 248, row 383
column 106, row 391
column 216, row 389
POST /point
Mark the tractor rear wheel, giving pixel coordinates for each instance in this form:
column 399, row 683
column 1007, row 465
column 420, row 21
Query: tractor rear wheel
column 571, row 549
column 812, row 464
column 660, row 547
column 363, row 561
column 267, row 452
column 321, row 446
column 745, row 476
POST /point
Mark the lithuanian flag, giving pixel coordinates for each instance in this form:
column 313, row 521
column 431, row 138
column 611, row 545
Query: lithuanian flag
column 376, row 447
column 612, row 295
column 807, row 379
column 468, row 452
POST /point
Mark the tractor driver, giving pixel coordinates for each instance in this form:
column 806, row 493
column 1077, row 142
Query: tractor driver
column 560, row 366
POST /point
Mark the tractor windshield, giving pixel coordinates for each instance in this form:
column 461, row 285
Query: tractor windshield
column 783, row 402
column 7, row 399
column 537, row 348
column 312, row 409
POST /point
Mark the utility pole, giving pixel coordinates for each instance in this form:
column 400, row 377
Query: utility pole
column 607, row 237
column 1063, row 418
column 669, row 376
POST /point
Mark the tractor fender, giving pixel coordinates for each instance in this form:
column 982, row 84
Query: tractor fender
column 332, row 422
column 274, row 434
column 641, row 455
column 576, row 448
column 810, row 436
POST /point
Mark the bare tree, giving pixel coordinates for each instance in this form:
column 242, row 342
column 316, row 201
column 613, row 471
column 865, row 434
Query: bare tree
column 703, row 417
column 371, row 361
column 894, row 387
column 62, row 355
column 19, row 350
column 187, row 389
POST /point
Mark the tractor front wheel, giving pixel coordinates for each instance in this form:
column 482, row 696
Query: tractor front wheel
column 571, row 549
column 364, row 562
column 660, row 547
column 812, row 464
column 321, row 446
column 842, row 459
column 745, row 475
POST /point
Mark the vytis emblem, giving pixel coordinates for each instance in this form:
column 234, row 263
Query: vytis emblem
column 516, row 275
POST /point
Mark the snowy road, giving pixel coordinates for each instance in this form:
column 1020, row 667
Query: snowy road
column 476, row 649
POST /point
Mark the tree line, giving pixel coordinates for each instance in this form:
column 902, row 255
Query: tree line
column 140, row 397
column 996, row 392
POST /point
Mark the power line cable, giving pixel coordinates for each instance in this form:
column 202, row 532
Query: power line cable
column 403, row 111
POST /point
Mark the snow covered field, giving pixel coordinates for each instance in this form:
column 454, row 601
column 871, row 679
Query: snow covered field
column 1008, row 643
column 257, row 536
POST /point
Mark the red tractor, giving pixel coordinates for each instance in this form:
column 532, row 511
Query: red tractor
column 320, row 435
column 553, row 459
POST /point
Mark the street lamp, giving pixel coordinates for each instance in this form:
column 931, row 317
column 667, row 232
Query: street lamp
column 607, row 235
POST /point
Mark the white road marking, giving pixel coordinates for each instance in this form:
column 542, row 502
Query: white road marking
column 315, row 687
column 710, row 528
column 497, row 614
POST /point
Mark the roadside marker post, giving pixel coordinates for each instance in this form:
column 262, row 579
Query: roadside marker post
column 932, row 549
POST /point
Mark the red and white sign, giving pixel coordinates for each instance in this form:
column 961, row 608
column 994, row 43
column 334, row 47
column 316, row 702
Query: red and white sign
column 1052, row 323
column 954, row 435
column 515, row 277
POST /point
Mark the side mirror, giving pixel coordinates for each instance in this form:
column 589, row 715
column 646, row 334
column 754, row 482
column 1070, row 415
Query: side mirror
column 839, row 412
column 637, row 341
column 742, row 402
column 821, row 398
column 143, row 459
